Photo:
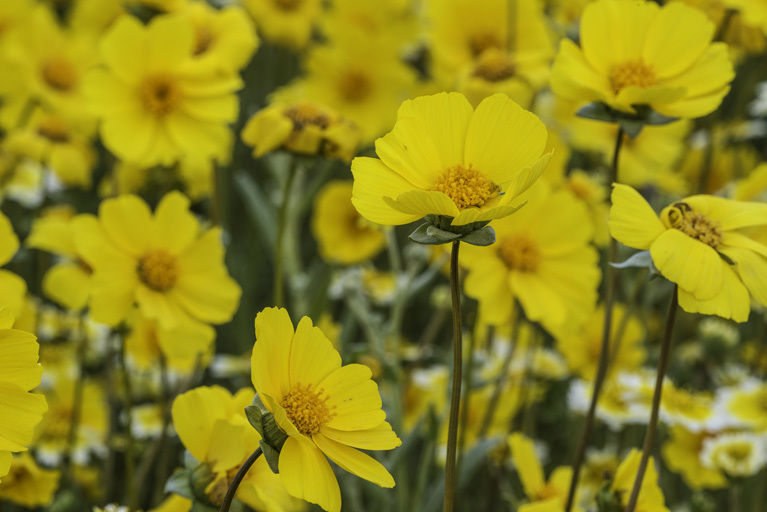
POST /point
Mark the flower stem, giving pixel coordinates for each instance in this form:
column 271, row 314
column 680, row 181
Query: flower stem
column 604, row 353
column 455, row 396
column 279, row 272
column 238, row 479
column 129, row 463
column 665, row 349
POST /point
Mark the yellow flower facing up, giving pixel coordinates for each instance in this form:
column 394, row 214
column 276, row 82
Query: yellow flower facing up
column 12, row 287
column 20, row 410
column 163, row 263
column 327, row 410
column 637, row 53
column 302, row 127
column 444, row 158
column 702, row 243
column 343, row 236
column 29, row 485
column 650, row 497
column 155, row 102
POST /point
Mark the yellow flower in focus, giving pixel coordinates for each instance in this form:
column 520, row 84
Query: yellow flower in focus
column 701, row 243
column 543, row 259
column 628, row 57
column 543, row 495
column 27, row 484
column 325, row 409
column 162, row 262
column 156, row 109
column 582, row 349
column 212, row 426
column 19, row 373
column 285, row 22
column 738, row 454
column 12, row 287
column 681, row 453
column 443, row 158
column 650, row 496
column 302, row 127
column 343, row 236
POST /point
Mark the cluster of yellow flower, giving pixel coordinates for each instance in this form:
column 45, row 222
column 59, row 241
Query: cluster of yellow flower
column 172, row 169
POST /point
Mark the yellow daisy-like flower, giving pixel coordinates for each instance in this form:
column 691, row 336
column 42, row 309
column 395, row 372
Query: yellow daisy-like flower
column 738, row 454
column 650, row 497
column 754, row 11
column 155, row 103
column 543, row 259
column 285, row 22
column 748, row 406
column 343, row 236
column 161, row 262
column 324, row 408
column 443, row 158
column 703, row 244
column 20, row 410
column 637, row 53
column 12, row 287
column 681, row 453
column 29, row 485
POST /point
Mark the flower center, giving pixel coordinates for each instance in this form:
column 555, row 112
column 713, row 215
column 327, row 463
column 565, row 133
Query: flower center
column 158, row 270
column 481, row 41
column 53, row 129
column 306, row 114
column 520, row 253
column 60, row 74
column 494, row 65
column 287, row 5
column 307, row 410
column 632, row 72
column 465, row 187
column 695, row 225
column 738, row 452
column 354, row 86
column 160, row 94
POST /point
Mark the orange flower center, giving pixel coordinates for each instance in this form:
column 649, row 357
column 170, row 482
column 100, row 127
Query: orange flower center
column 160, row 94
column 494, row 65
column 520, row 253
column 695, row 225
column 59, row 74
column 158, row 270
column 632, row 72
column 354, row 86
column 307, row 410
column 53, row 129
column 466, row 187
column 306, row 114
column 481, row 41
column 287, row 5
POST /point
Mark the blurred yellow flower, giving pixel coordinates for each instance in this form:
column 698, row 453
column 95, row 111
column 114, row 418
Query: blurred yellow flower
column 325, row 409
column 754, row 11
column 701, row 243
column 650, row 495
column 27, row 484
column 443, row 158
column 343, row 236
column 285, row 22
column 681, row 453
column 12, row 287
column 747, row 405
column 738, row 454
column 637, row 53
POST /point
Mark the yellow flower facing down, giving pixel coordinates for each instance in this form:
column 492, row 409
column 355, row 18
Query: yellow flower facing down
column 28, row 484
column 327, row 410
column 638, row 53
column 163, row 262
column 12, row 287
column 444, row 158
column 701, row 243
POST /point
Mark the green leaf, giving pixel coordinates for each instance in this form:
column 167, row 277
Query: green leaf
column 255, row 418
column 421, row 235
column 180, row 483
column 272, row 457
column 441, row 234
column 481, row 237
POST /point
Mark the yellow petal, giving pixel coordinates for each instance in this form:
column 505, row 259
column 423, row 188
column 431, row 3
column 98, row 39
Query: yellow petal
column 372, row 182
column 12, row 291
column 170, row 41
column 527, row 464
column 227, row 448
column 68, row 284
column 573, row 77
column 175, row 225
column 693, row 265
column 123, row 48
column 708, row 75
column 51, row 234
column 420, row 203
column 499, row 211
column 677, row 37
column 9, row 242
column 19, row 362
column 312, row 356
column 354, row 461
column 730, row 214
column 409, row 151
column 194, row 416
column 5, row 463
column 632, row 220
column 20, row 412
column 752, row 269
column 270, row 363
column 127, row 222
column 354, row 397
column 379, row 438
column 306, row 474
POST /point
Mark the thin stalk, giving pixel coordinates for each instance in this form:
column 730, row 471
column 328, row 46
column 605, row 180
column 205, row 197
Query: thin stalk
column 129, row 462
column 279, row 272
column 467, row 388
column 77, row 402
column 238, row 479
column 665, row 349
column 604, row 353
column 455, row 396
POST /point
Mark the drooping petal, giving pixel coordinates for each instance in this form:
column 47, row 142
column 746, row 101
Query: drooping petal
column 306, row 474
column 632, row 220
column 693, row 265
column 354, row 461
column 732, row 301
column 752, row 269
column 380, row 438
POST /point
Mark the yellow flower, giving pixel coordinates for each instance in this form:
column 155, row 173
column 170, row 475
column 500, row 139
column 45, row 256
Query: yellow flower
column 753, row 187
column 156, row 110
column 747, row 405
column 12, row 287
column 343, row 236
column 597, row 465
column 174, row 503
column 686, row 408
column 193, row 176
column 742, row 35
column 324, row 408
column 392, row 24
column 543, row 259
column 19, row 373
column 637, row 53
column 285, row 22
column 28, row 484
column 650, row 496
column 21, row 179
column 543, row 495
column 754, row 11
column 302, row 127
column 444, row 158
column 738, row 454
column 700, row 243
column 212, row 425
column 681, row 453
column 592, row 192
column 424, row 390
column 162, row 262
column 582, row 348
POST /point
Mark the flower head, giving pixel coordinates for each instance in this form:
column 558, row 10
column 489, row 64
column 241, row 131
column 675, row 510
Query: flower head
column 738, row 454
column 28, row 484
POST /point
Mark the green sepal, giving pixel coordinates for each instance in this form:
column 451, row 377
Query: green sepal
column 631, row 124
column 200, row 478
column 608, row 500
column 265, row 424
column 438, row 230
column 481, row 237
column 272, row 456
column 180, row 483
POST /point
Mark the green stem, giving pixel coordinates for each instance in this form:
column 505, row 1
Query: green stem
column 604, row 353
column 455, row 396
column 468, row 382
column 665, row 349
column 238, row 479
column 279, row 277
column 129, row 462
